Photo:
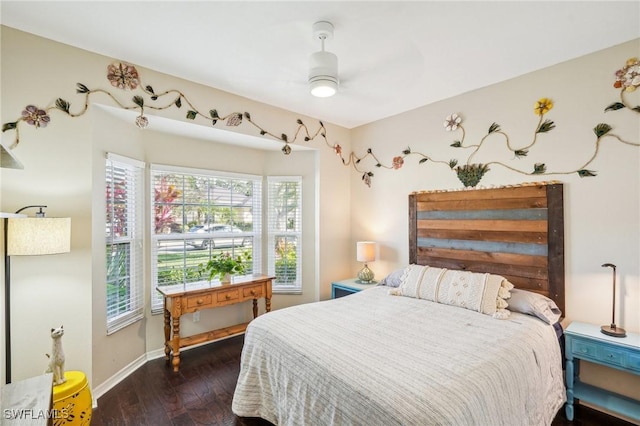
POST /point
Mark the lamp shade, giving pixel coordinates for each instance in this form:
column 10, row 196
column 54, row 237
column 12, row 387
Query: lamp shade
column 365, row 251
column 33, row 236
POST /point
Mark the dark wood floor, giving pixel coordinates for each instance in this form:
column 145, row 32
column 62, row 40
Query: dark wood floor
column 201, row 393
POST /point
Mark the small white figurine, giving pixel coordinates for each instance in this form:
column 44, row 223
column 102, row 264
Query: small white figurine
column 56, row 359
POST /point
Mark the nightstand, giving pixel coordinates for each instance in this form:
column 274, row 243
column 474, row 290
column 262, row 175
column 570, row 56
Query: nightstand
column 586, row 342
column 347, row 287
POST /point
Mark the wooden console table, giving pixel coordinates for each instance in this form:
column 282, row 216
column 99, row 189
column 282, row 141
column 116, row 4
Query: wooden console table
column 179, row 300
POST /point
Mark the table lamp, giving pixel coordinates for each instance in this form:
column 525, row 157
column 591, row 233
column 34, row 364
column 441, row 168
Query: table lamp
column 365, row 252
column 613, row 330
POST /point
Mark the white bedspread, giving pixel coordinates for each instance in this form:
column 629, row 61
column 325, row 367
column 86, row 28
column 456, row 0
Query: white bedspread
column 375, row 359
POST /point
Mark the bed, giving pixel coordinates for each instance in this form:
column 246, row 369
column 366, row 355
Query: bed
column 390, row 355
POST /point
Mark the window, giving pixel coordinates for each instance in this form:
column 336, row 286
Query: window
column 197, row 214
column 285, row 233
column 125, row 288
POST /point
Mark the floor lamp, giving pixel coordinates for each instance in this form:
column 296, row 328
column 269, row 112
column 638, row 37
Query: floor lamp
column 26, row 236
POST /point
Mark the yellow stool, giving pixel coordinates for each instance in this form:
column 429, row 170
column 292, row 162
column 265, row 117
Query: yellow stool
column 72, row 401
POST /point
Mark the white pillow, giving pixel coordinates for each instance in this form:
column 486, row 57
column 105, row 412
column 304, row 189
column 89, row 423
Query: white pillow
column 536, row 304
column 393, row 279
column 485, row 293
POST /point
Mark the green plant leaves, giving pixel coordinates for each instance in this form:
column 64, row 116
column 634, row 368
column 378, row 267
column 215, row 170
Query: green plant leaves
column 546, row 126
column 495, row 127
column 191, row 115
column 539, row 168
column 586, row 173
column 138, row 100
column 614, row 106
column 9, row 126
column 601, row 129
column 471, row 174
column 63, row 105
column 81, row 88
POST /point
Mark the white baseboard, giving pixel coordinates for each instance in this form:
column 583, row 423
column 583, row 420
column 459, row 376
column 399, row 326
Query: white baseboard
column 112, row 381
column 108, row 384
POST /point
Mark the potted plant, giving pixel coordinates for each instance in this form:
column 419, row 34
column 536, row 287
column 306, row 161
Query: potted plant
column 223, row 265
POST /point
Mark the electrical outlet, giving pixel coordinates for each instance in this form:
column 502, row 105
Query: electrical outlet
column 196, row 316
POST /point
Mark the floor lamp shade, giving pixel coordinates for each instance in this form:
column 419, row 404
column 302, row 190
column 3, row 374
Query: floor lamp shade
column 29, row 236
column 34, row 236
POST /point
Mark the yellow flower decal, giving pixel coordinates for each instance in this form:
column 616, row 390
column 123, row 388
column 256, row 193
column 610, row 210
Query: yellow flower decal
column 543, row 106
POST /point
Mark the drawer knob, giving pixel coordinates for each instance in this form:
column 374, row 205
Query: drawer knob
column 253, row 292
column 228, row 296
column 199, row 301
column 610, row 355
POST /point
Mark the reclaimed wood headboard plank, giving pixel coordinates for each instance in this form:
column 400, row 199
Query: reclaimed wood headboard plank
column 516, row 232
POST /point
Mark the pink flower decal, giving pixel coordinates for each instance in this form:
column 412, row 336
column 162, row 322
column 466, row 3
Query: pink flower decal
column 451, row 122
column 35, row 116
column 234, row 120
column 397, row 162
column 142, row 122
column 123, row 76
column 628, row 78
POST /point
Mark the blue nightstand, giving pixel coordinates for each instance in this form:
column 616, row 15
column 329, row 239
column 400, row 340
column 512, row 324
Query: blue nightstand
column 586, row 342
column 347, row 287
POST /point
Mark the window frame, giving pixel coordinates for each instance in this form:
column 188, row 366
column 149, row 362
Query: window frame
column 272, row 234
column 255, row 234
column 133, row 222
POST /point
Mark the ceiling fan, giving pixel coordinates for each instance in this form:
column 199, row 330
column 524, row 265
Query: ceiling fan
column 323, row 65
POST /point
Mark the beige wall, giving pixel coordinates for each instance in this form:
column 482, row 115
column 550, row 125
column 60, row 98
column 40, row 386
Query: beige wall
column 64, row 169
column 602, row 214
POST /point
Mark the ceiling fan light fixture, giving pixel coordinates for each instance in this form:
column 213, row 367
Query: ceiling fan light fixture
column 323, row 88
column 323, row 66
column 323, row 74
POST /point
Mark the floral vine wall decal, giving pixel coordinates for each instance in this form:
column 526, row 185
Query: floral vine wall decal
column 470, row 174
column 123, row 76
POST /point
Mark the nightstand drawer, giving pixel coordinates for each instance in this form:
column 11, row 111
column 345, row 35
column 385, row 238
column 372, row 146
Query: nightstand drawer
column 634, row 362
column 581, row 348
column 612, row 356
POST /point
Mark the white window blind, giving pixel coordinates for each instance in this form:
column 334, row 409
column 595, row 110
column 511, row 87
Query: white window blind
column 124, row 251
column 198, row 214
column 284, row 230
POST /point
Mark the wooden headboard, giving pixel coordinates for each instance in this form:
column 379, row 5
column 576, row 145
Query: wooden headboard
column 516, row 232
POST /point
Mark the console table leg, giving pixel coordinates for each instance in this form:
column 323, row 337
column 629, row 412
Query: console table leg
column 175, row 344
column 267, row 303
column 255, row 308
column 167, row 332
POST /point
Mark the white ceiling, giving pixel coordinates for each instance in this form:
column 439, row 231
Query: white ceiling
column 393, row 56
